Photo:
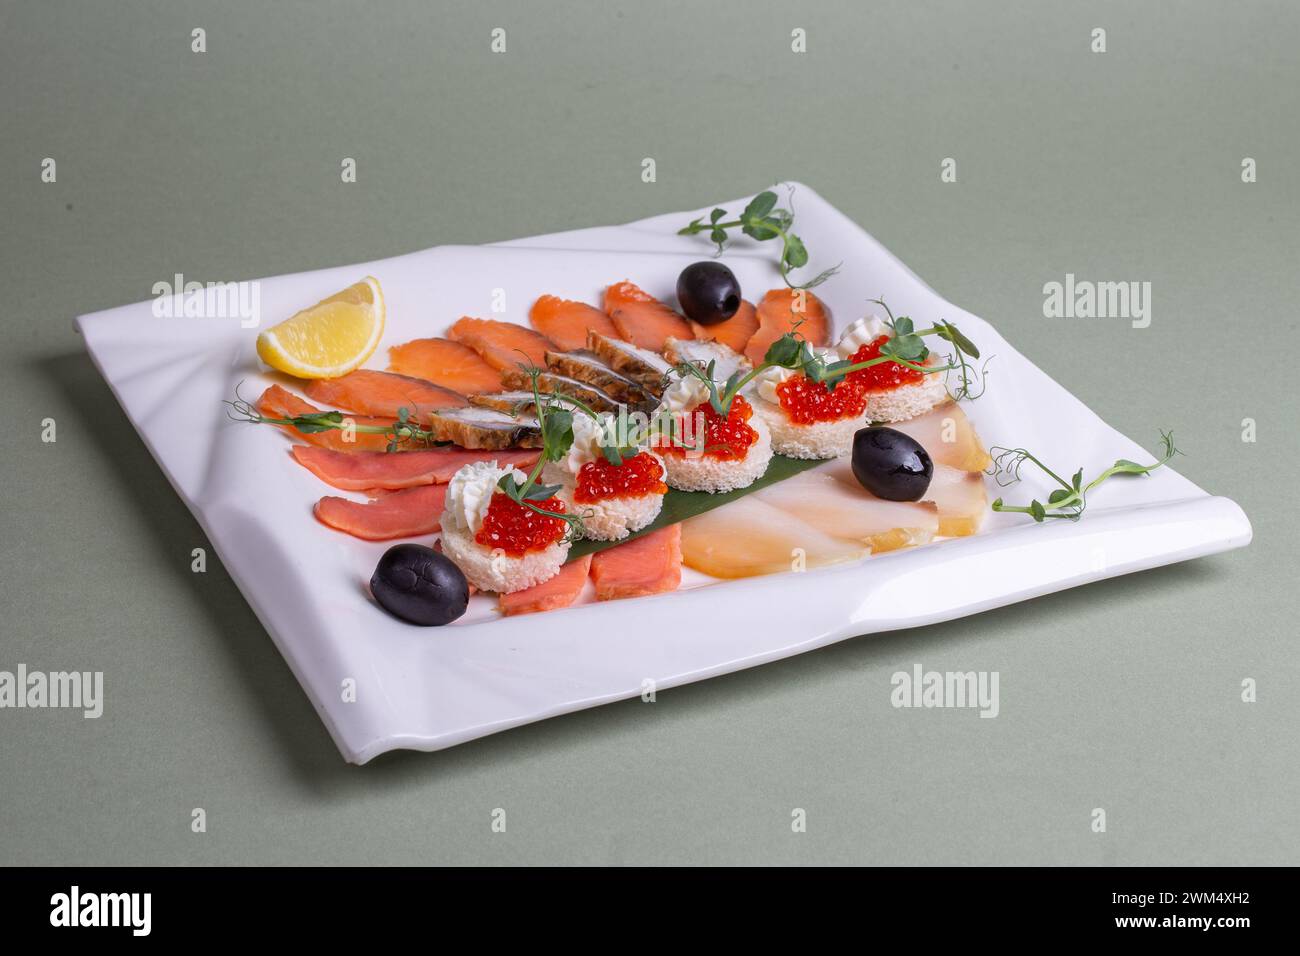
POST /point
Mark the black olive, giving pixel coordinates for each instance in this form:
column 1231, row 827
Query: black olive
column 708, row 292
column 419, row 585
column 890, row 464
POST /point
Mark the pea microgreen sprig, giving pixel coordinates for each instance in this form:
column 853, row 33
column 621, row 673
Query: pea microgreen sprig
column 612, row 452
column 762, row 220
column 1069, row 500
column 401, row 433
column 905, row 346
column 556, row 425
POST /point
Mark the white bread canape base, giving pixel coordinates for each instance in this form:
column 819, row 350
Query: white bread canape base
column 704, row 472
column 491, row 569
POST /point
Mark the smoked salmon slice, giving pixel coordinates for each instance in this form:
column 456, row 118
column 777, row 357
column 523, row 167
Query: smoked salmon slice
column 402, row 514
column 560, row 591
column 362, row 471
column 642, row 319
column 277, row 402
column 503, row 345
column 383, row 394
column 566, row 322
column 650, row 564
column 446, row 363
column 780, row 311
column 734, row 333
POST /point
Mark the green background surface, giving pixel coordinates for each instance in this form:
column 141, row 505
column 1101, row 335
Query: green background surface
column 224, row 165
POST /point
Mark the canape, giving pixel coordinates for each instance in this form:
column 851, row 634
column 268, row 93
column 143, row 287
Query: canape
column 612, row 499
column 499, row 544
column 810, row 419
column 891, row 392
column 708, row 451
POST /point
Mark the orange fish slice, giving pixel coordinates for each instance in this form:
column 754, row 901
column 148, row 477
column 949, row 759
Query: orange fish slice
column 503, row 345
column 781, row 311
column 383, row 394
column 642, row 319
column 382, row 471
column 399, row 514
column 650, row 564
column 277, row 402
column 446, row 363
column 566, row 322
column 735, row 332
column 560, row 591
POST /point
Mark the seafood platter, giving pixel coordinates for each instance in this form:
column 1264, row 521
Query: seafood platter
column 480, row 486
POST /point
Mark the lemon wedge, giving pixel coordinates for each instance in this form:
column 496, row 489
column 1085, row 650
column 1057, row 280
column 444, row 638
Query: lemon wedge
column 329, row 339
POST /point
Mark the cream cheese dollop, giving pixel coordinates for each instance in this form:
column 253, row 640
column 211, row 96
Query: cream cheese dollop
column 684, row 394
column 589, row 434
column 861, row 332
column 470, row 492
column 766, row 381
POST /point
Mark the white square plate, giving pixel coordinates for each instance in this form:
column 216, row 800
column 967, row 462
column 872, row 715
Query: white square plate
column 426, row 689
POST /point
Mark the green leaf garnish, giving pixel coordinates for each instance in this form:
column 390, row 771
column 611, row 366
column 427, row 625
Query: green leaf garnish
column 317, row 422
column 905, row 346
column 402, row 433
column 557, row 438
column 541, row 492
column 784, row 352
column 762, row 220
column 760, row 229
column 946, row 330
column 759, row 206
column 1069, row 500
column 795, row 255
column 555, row 421
column 902, row 347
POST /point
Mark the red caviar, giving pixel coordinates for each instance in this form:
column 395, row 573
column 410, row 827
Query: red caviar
column 516, row 530
column 638, row 476
column 806, row 401
column 726, row 438
column 882, row 377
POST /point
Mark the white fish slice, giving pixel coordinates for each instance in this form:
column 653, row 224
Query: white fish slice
column 947, row 434
column 748, row 537
column 702, row 351
column 830, row 499
column 961, row 498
